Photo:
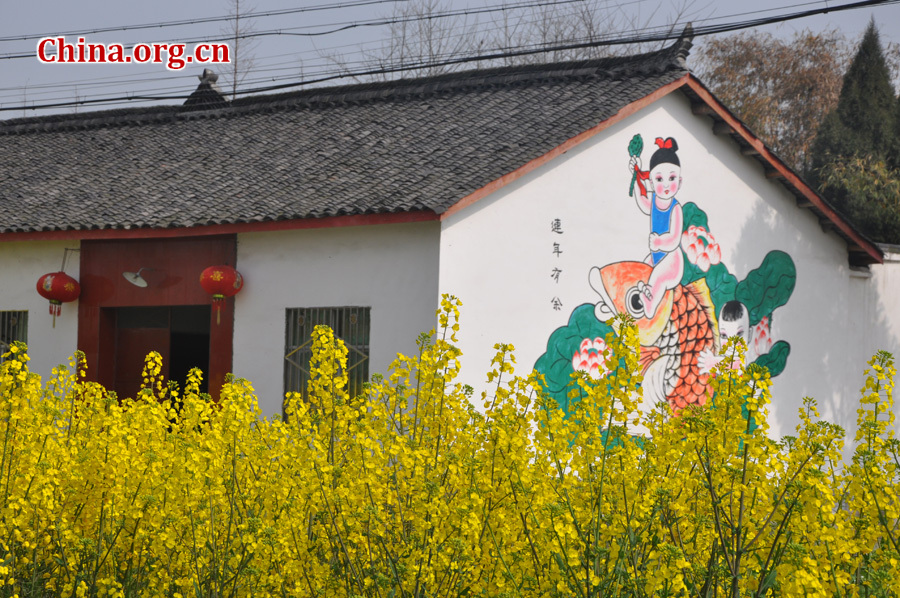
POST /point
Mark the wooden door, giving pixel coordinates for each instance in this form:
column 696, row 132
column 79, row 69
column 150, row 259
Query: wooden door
column 132, row 347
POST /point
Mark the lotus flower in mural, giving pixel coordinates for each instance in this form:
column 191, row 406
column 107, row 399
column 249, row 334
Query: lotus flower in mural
column 761, row 337
column 590, row 358
column 700, row 247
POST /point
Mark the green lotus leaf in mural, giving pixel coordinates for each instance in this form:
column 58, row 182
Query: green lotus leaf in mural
column 693, row 216
column 563, row 344
column 691, row 273
column 776, row 359
column 722, row 285
column 768, row 287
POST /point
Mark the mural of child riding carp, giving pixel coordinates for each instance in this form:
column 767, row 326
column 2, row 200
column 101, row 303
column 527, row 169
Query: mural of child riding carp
column 684, row 300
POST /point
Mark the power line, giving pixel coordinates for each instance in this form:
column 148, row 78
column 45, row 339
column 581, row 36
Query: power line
column 118, row 79
column 651, row 35
column 351, row 74
column 18, row 91
column 163, row 24
column 667, row 35
column 340, row 27
column 102, row 82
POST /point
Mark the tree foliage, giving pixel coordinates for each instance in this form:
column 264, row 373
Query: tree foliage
column 867, row 190
column 781, row 89
column 855, row 155
column 834, row 118
column 863, row 123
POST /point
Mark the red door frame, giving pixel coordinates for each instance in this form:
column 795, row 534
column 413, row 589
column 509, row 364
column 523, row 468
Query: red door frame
column 174, row 280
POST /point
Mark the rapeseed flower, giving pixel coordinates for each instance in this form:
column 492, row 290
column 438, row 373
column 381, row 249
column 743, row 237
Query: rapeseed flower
column 410, row 490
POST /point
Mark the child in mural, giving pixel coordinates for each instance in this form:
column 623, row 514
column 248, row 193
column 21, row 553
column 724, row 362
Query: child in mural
column 734, row 320
column 666, row 219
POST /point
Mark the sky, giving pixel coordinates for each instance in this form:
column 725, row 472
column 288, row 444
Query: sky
column 285, row 53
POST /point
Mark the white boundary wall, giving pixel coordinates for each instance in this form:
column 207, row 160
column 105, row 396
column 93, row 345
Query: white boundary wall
column 391, row 268
column 22, row 263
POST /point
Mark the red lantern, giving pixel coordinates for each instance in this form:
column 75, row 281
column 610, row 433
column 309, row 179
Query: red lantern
column 59, row 288
column 221, row 282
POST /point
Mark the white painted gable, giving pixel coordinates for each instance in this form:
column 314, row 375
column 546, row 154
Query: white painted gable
column 498, row 255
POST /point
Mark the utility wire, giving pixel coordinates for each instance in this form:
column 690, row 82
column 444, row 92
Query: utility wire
column 45, row 89
column 652, row 35
column 118, row 79
column 667, row 35
column 344, row 70
column 202, row 20
column 163, row 24
column 347, row 26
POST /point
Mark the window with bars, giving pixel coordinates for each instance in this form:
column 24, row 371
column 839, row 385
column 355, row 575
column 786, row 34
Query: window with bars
column 350, row 324
column 13, row 327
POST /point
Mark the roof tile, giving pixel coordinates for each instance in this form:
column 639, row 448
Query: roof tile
column 408, row 145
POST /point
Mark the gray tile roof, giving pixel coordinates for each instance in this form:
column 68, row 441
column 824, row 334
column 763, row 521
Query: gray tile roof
column 418, row 144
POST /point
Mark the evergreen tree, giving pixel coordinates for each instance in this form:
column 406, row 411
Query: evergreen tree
column 869, row 190
column 894, row 152
column 862, row 131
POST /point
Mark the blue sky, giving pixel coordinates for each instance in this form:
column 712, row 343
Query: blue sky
column 286, row 57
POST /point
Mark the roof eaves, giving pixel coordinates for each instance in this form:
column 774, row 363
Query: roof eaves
column 862, row 251
column 138, row 231
column 614, row 67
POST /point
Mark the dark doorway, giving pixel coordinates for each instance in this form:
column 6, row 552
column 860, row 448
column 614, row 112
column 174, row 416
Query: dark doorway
column 180, row 334
column 189, row 343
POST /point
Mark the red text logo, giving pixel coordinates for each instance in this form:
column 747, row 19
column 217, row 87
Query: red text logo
column 56, row 50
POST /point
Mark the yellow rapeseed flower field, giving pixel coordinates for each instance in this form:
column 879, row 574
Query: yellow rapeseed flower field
column 418, row 488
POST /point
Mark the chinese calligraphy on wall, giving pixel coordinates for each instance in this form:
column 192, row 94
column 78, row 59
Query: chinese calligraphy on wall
column 556, row 271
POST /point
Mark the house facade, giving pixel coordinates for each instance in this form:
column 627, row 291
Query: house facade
column 547, row 197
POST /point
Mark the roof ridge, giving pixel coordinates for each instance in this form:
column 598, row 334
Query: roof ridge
column 672, row 57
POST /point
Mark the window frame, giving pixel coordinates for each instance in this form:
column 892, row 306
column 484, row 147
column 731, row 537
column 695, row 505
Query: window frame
column 350, row 323
column 20, row 323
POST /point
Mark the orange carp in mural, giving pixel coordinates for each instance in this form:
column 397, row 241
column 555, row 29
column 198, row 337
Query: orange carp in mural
column 672, row 340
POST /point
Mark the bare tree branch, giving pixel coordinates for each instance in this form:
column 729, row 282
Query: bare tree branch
column 241, row 47
column 419, row 36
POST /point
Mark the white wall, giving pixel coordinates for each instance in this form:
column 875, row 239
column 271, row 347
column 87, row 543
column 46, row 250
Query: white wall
column 21, row 265
column 391, row 268
column 876, row 308
column 496, row 255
